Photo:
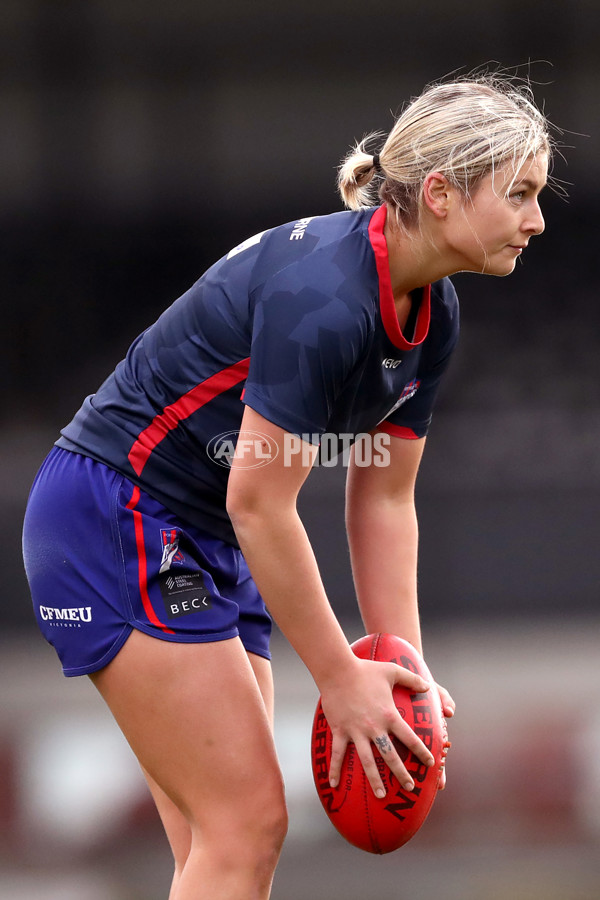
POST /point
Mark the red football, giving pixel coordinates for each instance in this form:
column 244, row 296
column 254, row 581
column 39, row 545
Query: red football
column 380, row 826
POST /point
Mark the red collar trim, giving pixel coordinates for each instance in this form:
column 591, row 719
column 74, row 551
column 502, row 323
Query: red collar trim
column 386, row 297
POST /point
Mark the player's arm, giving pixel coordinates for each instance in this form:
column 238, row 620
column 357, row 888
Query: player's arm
column 356, row 694
column 382, row 528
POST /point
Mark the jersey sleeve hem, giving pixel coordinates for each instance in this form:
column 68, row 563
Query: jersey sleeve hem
column 308, row 431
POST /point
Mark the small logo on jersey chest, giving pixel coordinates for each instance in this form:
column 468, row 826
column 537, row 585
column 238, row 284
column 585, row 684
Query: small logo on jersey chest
column 390, row 363
column 409, row 391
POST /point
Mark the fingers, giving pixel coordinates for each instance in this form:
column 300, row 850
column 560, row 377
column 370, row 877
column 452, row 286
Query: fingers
column 410, row 680
column 448, row 704
column 364, row 750
column 394, row 762
column 365, row 753
column 381, row 731
column 388, row 752
column 442, row 781
column 338, row 751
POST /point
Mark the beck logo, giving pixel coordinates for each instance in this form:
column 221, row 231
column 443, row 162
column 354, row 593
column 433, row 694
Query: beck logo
column 184, row 593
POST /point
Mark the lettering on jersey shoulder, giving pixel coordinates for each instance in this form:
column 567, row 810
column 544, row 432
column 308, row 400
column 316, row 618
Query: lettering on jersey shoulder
column 245, row 245
column 299, row 229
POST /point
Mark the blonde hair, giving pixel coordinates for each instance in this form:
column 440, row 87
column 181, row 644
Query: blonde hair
column 464, row 129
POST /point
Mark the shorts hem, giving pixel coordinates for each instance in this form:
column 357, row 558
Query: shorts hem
column 258, row 651
column 186, row 638
column 72, row 671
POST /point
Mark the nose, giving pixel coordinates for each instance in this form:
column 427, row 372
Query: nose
column 534, row 223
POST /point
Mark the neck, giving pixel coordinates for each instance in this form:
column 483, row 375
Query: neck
column 413, row 259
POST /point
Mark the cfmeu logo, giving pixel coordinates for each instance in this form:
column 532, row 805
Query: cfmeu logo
column 254, row 449
column 70, row 614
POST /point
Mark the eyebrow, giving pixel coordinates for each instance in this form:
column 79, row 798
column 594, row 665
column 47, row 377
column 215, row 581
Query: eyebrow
column 527, row 182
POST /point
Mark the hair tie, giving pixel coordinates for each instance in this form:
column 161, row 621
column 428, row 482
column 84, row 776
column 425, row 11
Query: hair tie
column 376, row 162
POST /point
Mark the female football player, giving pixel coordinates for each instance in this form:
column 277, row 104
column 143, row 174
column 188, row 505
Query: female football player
column 163, row 524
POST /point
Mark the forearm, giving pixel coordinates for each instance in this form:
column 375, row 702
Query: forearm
column 383, row 541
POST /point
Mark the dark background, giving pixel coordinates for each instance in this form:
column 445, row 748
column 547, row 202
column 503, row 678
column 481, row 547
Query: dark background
column 142, row 140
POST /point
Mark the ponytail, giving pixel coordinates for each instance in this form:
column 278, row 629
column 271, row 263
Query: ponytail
column 357, row 176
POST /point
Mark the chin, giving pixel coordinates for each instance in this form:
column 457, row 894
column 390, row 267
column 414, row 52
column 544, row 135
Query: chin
column 500, row 269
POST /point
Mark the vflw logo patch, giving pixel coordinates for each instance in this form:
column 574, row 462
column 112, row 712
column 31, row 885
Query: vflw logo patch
column 171, row 552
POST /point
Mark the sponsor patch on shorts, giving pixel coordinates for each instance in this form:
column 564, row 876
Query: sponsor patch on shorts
column 184, row 593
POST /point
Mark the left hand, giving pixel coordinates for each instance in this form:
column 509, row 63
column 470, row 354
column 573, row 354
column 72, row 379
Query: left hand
column 448, row 709
column 448, row 704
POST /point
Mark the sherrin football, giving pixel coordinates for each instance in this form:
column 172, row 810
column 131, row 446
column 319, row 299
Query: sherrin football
column 382, row 825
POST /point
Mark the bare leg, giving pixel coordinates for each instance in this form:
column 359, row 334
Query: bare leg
column 177, row 828
column 194, row 716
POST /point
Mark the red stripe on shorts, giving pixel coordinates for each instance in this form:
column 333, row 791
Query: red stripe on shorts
column 187, row 404
column 142, row 561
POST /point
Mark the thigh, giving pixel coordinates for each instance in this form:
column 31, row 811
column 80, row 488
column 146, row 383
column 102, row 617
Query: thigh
column 195, row 718
column 177, row 827
column 175, row 824
column 264, row 678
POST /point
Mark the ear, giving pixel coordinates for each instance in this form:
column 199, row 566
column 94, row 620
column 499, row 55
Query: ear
column 436, row 194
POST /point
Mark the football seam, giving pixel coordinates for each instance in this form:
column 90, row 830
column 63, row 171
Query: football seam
column 374, row 646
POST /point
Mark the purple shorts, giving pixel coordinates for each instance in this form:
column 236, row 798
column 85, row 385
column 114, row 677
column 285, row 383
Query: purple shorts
column 102, row 557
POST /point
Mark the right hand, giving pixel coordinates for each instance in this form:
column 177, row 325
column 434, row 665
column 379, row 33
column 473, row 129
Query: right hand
column 360, row 709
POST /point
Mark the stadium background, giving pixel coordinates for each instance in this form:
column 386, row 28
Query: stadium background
column 139, row 142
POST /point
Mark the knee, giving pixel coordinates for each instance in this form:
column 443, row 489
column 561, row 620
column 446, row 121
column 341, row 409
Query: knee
column 253, row 835
column 275, row 826
column 274, row 834
column 264, row 828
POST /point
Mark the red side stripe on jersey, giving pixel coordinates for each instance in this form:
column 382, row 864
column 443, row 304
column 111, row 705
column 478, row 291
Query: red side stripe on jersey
column 189, row 403
column 400, row 431
column 386, row 295
column 142, row 561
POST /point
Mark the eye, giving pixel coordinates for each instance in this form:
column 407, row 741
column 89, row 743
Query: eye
column 517, row 196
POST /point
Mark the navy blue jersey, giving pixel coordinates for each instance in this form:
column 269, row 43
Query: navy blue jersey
column 299, row 323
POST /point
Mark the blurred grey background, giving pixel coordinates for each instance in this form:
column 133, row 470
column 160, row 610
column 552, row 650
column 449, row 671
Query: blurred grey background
column 139, row 142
